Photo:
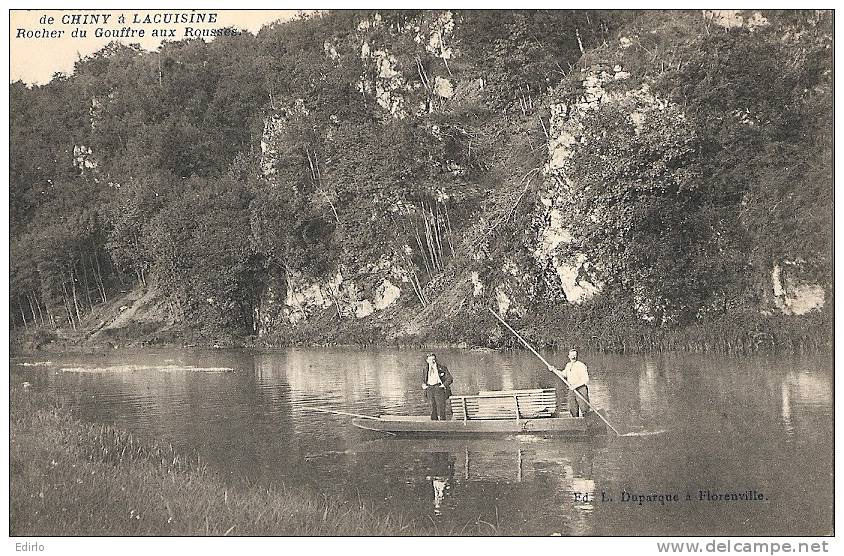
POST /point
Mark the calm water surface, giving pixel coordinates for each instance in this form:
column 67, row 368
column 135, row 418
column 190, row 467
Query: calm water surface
column 760, row 427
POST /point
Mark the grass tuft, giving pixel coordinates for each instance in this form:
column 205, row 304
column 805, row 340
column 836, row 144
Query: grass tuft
column 72, row 478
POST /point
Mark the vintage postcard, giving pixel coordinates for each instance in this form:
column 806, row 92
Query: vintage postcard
column 428, row 272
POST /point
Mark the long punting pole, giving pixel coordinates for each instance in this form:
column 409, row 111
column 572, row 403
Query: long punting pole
column 335, row 412
column 550, row 368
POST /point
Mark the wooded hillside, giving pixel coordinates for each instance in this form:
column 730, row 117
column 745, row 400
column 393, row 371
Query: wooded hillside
column 621, row 179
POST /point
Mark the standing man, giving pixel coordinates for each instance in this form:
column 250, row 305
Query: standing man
column 436, row 383
column 577, row 377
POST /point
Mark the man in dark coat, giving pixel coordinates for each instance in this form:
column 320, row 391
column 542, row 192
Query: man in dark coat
column 436, row 383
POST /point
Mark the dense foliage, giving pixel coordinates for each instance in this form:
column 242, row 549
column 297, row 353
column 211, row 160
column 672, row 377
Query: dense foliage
column 692, row 207
column 211, row 171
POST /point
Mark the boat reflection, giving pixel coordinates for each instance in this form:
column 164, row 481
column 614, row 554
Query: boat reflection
column 453, row 467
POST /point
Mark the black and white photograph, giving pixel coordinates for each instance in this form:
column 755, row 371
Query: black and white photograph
column 422, row 273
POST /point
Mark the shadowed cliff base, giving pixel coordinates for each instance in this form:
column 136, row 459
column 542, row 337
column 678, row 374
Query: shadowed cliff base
column 595, row 327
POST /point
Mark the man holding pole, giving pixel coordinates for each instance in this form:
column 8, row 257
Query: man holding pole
column 577, row 378
column 575, row 392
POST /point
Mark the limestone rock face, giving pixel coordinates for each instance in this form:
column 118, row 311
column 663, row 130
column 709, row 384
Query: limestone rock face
column 565, row 133
column 502, row 300
column 385, row 295
column 273, row 127
column 389, row 77
column 303, row 298
column 271, row 309
column 791, row 296
column 730, row 19
column 364, row 308
column 566, row 118
column 575, row 286
column 443, row 87
column 598, row 87
column 382, row 77
column 439, row 34
column 477, row 285
column 387, row 84
column 83, row 158
column 269, row 151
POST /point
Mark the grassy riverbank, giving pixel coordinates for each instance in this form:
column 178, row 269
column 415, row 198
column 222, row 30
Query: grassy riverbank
column 70, row 478
column 599, row 328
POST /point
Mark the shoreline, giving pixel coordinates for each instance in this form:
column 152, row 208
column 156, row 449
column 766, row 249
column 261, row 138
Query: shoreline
column 74, row 478
column 589, row 329
column 96, row 348
column 682, row 341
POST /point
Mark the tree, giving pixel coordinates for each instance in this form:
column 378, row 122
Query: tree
column 761, row 104
column 202, row 257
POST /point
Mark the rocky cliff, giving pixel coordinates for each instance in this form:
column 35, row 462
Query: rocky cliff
column 605, row 175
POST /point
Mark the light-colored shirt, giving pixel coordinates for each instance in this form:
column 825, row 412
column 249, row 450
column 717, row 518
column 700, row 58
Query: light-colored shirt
column 576, row 375
column 433, row 375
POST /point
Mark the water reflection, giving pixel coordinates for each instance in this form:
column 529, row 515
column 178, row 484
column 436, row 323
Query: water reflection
column 441, row 475
column 785, row 390
column 734, row 424
column 489, row 479
column 652, row 385
column 801, row 388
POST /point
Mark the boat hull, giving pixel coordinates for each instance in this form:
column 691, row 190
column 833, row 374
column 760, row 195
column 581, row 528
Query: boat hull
column 575, row 427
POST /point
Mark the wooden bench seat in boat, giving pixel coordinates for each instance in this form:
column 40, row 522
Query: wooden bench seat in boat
column 505, row 404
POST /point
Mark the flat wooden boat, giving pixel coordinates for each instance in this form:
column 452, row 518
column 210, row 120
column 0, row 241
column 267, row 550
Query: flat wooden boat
column 493, row 413
column 423, row 425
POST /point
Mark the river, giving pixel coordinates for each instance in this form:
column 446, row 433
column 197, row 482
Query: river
column 747, row 447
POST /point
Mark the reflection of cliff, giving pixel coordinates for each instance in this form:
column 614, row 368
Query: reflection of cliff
column 343, row 376
column 802, row 388
column 653, row 385
column 350, row 377
column 808, row 388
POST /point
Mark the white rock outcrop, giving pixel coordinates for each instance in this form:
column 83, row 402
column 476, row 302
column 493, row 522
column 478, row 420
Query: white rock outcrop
column 304, row 297
column 790, row 295
column 502, row 300
column 477, row 285
column 83, row 158
column 566, row 132
column 385, row 295
column 382, row 78
column 734, row 19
